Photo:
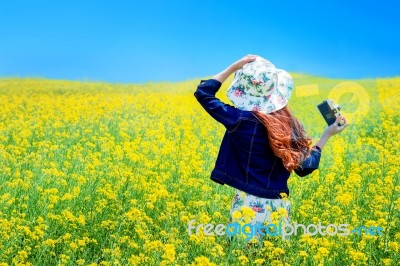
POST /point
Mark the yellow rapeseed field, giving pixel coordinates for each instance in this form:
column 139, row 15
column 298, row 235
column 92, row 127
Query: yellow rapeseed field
column 111, row 174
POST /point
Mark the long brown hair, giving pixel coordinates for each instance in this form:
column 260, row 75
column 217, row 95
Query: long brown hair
column 286, row 136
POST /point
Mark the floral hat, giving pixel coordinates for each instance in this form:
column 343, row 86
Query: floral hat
column 259, row 85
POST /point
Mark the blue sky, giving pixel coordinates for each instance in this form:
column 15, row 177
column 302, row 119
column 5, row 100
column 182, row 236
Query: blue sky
column 141, row 41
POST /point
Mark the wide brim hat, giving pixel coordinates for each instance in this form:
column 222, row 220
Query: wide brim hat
column 259, row 85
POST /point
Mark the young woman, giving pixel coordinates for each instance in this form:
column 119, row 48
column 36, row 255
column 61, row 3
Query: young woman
column 263, row 142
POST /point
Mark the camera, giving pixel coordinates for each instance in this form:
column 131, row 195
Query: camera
column 330, row 111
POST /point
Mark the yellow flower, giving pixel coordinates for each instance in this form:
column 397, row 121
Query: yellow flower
column 282, row 212
column 80, row 262
column 259, row 261
column 283, row 195
column 236, row 215
column 134, row 260
column 73, row 245
column 394, row 246
column 50, row 242
column 202, row 261
column 243, row 259
column 81, row 242
column 358, row 256
column 248, row 213
column 277, row 263
column 169, row 252
column 303, row 253
column 274, row 216
column 278, row 252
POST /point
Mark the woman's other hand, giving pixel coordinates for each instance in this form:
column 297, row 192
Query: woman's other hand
column 331, row 130
column 338, row 126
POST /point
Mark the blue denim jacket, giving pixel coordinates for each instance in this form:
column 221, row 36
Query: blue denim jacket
column 245, row 160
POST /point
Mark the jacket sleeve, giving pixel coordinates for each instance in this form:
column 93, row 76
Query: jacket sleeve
column 311, row 163
column 226, row 114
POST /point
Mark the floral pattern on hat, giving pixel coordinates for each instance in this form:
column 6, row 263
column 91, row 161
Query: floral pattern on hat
column 259, row 85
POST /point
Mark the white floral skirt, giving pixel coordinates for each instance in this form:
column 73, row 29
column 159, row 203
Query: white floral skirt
column 249, row 209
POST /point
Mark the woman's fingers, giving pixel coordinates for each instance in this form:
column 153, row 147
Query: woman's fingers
column 343, row 121
column 249, row 58
column 244, row 60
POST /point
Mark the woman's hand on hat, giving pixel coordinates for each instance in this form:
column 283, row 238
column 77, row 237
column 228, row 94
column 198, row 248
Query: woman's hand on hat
column 241, row 62
column 223, row 75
